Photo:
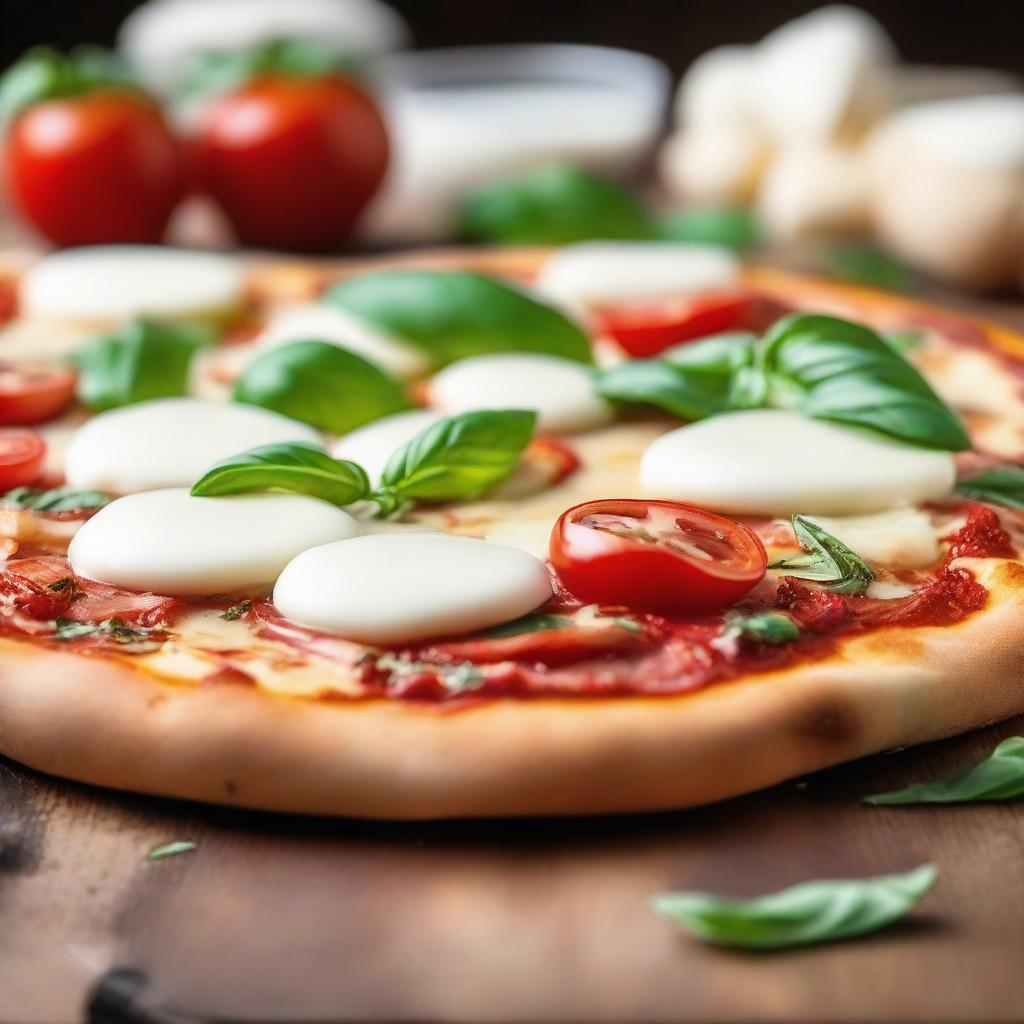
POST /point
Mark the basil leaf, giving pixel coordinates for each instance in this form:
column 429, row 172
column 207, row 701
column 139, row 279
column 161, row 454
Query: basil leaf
column 735, row 227
column 145, row 359
column 59, row 499
column 71, row 629
column 833, row 369
column 999, row 777
column 296, row 468
column 458, row 457
column 552, row 206
column 116, row 629
column 904, row 340
column 534, row 623
column 868, row 265
column 828, row 560
column 775, row 628
column 171, row 849
column 450, row 315
column 237, row 611
column 811, row 912
column 321, row 384
column 1003, row 485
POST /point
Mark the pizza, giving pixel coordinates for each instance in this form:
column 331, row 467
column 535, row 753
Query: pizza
column 618, row 527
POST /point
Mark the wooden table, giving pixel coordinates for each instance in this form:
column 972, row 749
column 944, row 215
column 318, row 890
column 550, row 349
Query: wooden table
column 288, row 919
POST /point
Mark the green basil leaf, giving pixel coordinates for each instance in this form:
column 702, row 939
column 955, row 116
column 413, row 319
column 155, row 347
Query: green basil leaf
column 828, row 560
column 321, row 384
column 116, row 629
column 868, row 265
column 833, row 369
column 450, row 315
column 904, row 340
column 820, row 911
column 58, row 499
column 999, row 777
column 458, row 457
column 535, row 623
column 1003, row 485
column 237, row 611
column 735, row 227
column 553, row 205
column 171, row 849
column 296, row 468
column 72, row 629
column 775, row 628
column 145, row 359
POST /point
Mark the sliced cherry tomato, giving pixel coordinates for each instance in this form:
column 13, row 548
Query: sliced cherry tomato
column 21, row 457
column 655, row 556
column 34, row 395
column 645, row 330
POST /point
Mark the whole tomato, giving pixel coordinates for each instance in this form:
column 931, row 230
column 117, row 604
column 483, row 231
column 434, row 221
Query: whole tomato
column 293, row 159
column 90, row 161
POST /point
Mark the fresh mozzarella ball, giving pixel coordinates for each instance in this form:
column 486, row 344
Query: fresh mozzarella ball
column 560, row 390
column 322, row 322
column 401, row 588
column 169, row 542
column 812, row 190
column 713, row 165
column 822, row 76
column 715, row 92
column 947, row 188
column 373, row 445
column 590, row 274
column 107, row 284
column 772, row 462
column 170, row 442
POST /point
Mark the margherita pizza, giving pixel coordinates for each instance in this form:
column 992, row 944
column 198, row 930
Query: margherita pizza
column 612, row 528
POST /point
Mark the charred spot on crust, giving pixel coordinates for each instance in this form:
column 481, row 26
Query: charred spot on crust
column 827, row 720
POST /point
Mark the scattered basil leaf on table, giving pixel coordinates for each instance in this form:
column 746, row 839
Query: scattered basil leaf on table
column 535, row 623
column 450, row 315
column 145, row 359
column 171, row 849
column 296, row 468
column 553, row 205
column 775, row 628
column 828, row 560
column 999, row 777
column 58, row 499
column 735, row 227
column 1003, row 485
column 866, row 264
column 321, row 384
column 459, row 457
column 812, row 912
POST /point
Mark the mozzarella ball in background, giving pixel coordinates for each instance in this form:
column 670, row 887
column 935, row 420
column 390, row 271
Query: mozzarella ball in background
column 404, row 587
column 168, row 542
column 716, row 90
column 713, row 165
column 170, row 442
column 947, row 188
column 561, row 391
column 373, row 445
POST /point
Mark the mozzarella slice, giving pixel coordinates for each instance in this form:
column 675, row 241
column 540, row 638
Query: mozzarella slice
column 111, row 283
column 325, row 323
column 898, row 539
column 778, row 463
column 371, row 446
column 560, row 390
column 400, row 588
column 170, row 543
column 579, row 277
column 169, row 442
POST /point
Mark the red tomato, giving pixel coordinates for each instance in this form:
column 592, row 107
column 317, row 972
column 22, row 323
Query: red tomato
column 34, row 395
column 646, row 330
column 292, row 160
column 21, row 457
column 655, row 556
column 95, row 168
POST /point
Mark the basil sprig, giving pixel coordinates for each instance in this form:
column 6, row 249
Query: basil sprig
column 812, row 912
column 58, row 499
column 145, row 359
column 1003, row 485
column 775, row 628
column 321, row 384
column 553, row 205
column 298, row 468
column 450, row 315
column 828, row 560
column 999, row 777
column 735, row 227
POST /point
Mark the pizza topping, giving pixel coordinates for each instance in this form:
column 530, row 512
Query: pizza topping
column 773, row 628
column 778, row 463
column 55, row 500
column 34, row 394
column 902, row 538
column 1001, row 485
column 172, row 543
column 111, row 284
column 655, row 556
column 827, row 560
column 561, row 391
column 169, row 442
column 401, row 588
column 22, row 455
column 982, row 536
column 815, row 609
column 372, row 445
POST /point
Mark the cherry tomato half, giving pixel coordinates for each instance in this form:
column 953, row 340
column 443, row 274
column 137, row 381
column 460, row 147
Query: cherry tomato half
column 21, row 457
column 34, row 394
column 95, row 168
column 655, row 556
column 645, row 330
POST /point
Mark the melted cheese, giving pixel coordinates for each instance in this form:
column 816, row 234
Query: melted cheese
column 898, row 539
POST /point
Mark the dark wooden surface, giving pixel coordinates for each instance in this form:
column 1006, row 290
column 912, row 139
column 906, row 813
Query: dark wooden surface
column 287, row 919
